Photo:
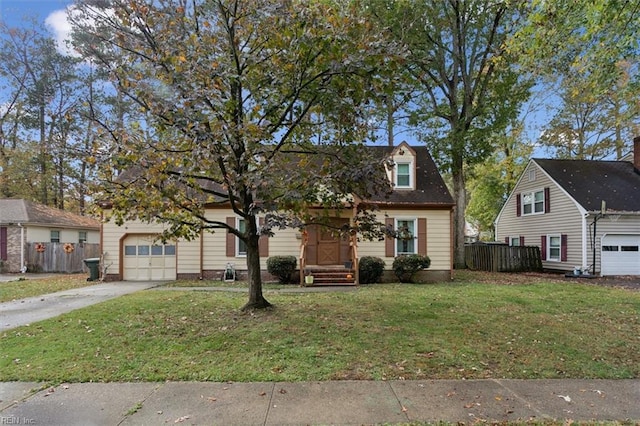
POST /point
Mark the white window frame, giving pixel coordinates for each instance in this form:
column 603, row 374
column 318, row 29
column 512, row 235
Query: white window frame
column 409, row 165
column 240, row 226
column 414, row 235
column 533, row 203
column 514, row 241
column 57, row 234
column 551, row 258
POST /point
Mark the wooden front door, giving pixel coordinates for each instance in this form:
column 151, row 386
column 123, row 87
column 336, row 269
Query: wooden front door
column 326, row 247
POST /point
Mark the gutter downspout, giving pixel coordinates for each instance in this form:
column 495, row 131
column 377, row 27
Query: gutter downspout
column 23, row 267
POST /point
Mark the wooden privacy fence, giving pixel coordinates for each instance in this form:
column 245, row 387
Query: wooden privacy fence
column 59, row 257
column 502, row 258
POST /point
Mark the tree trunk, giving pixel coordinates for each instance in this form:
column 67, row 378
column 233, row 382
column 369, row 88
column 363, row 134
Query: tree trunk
column 256, row 299
column 460, row 198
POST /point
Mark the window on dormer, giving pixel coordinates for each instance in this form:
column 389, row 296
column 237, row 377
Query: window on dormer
column 403, row 175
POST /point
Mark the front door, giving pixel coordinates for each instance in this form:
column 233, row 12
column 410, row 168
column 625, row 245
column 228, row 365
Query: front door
column 326, row 246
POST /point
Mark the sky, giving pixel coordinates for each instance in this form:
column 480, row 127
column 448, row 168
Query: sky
column 15, row 13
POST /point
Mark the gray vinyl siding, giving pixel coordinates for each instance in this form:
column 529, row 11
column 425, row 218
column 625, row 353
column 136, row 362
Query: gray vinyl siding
column 564, row 217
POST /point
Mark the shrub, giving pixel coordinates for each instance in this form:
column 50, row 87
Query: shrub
column 282, row 267
column 406, row 266
column 370, row 269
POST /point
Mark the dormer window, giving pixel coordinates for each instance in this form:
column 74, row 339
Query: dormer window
column 403, row 175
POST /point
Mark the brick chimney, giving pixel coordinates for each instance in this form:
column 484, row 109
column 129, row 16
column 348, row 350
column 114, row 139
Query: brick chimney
column 636, row 153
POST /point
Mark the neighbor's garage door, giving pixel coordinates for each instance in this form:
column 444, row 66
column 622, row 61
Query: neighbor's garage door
column 145, row 260
column 621, row 255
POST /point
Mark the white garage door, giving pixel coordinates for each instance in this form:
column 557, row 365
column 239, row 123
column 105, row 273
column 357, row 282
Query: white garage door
column 145, row 260
column 621, row 255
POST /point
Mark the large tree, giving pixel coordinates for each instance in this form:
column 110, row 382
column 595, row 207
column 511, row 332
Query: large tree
column 468, row 88
column 258, row 105
column 588, row 52
column 38, row 116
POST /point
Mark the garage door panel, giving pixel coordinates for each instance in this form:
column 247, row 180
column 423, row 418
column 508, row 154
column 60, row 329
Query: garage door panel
column 144, row 260
column 620, row 254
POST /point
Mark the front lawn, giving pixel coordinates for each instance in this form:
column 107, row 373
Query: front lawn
column 36, row 286
column 455, row 330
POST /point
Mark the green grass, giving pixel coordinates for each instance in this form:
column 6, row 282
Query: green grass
column 464, row 329
column 22, row 288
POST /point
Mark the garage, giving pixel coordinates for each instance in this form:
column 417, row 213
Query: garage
column 146, row 260
column 621, row 254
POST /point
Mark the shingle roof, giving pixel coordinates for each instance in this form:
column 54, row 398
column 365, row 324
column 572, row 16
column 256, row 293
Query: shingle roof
column 590, row 182
column 13, row 211
column 430, row 187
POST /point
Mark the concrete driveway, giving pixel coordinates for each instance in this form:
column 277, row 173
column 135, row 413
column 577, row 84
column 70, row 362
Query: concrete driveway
column 26, row 311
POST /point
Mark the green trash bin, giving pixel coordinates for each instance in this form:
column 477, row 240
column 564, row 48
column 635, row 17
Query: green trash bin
column 93, row 264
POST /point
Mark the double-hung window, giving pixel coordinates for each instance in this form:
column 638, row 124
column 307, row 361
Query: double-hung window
column 55, row 236
column 533, row 202
column 406, row 241
column 554, row 247
column 403, row 175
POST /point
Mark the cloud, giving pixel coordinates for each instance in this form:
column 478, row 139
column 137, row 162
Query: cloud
column 59, row 25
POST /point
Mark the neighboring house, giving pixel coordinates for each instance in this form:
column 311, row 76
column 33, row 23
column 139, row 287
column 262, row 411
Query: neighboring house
column 420, row 202
column 23, row 223
column 581, row 213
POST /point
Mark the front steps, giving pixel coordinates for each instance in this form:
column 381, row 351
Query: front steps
column 330, row 275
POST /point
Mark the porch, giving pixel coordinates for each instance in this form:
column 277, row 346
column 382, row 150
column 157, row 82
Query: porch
column 328, row 257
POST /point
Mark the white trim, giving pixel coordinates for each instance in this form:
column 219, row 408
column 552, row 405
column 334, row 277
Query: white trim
column 410, row 165
column 549, row 258
column 533, row 204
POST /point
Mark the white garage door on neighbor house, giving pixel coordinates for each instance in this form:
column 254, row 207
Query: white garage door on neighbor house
column 146, row 260
column 621, row 254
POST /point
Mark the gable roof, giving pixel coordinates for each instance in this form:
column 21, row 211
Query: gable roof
column 590, row 182
column 14, row 211
column 430, row 187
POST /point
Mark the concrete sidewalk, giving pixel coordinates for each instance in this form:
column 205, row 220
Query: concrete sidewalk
column 320, row 403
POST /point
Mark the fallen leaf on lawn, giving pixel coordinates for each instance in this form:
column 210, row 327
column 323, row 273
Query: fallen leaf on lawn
column 498, row 398
column 404, row 409
column 181, row 419
column 450, row 394
column 283, row 391
column 212, row 399
column 263, row 393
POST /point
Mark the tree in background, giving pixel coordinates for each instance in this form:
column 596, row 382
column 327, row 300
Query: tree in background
column 467, row 87
column 587, row 51
column 233, row 92
column 38, row 147
column 591, row 123
column 491, row 181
